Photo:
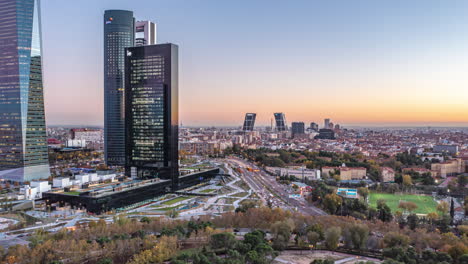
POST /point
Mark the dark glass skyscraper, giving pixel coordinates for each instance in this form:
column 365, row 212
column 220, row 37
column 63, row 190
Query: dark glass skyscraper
column 280, row 120
column 152, row 112
column 119, row 33
column 297, row 128
column 23, row 142
column 249, row 122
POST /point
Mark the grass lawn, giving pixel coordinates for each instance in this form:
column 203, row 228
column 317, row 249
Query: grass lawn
column 426, row 204
column 207, row 190
column 165, row 209
column 176, row 200
column 240, row 195
column 72, row 193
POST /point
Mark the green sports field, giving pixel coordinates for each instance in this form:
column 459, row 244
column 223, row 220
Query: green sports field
column 426, row 204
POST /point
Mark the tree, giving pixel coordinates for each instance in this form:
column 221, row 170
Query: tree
column 313, row 238
column 332, row 202
column 105, row 261
column 443, row 207
column 458, row 250
column 412, row 221
column 356, row 236
column 407, row 181
column 281, row 231
column 165, row 249
column 222, row 241
column 407, row 206
column 394, row 239
column 462, row 181
column 332, row 237
column 172, row 213
column 432, row 216
column 323, row 261
column 452, row 211
column 384, row 212
column 363, row 192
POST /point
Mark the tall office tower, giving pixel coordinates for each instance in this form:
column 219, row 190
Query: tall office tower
column 280, row 120
column 249, row 122
column 119, row 26
column 23, row 139
column 152, row 112
column 145, row 33
column 297, row 128
column 314, row 126
column 326, row 124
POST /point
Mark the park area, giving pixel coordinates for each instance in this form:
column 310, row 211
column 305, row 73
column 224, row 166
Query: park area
column 426, row 204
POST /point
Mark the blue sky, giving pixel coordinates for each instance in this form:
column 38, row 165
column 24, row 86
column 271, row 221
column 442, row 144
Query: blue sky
column 357, row 62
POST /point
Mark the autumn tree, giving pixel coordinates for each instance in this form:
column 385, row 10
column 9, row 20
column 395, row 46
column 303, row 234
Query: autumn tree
column 407, row 181
column 281, row 232
column 356, row 236
column 332, row 202
column 394, row 239
column 443, row 207
column 165, row 249
column 332, row 237
column 407, row 206
column 363, row 192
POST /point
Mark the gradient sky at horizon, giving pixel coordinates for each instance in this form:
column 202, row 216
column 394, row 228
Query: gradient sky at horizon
column 356, row 62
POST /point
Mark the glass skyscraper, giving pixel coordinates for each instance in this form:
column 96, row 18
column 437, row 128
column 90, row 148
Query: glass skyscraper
column 23, row 139
column 152, row 112
column 119, row 33
column 280, row 120
column 249, row 122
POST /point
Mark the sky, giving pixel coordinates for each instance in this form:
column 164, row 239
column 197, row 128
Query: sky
column 356, row 62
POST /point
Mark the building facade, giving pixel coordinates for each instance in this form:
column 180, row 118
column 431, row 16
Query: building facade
column 326, row 123
column 145, row 33
column 23, row 139
column 449, row 168
column 249, row 122
column 297, row 128
column 280, row 120
column 314, row 127
column 86, row 134
column 152, row 115
column 119, row 33
column 387, row 174
column 325, row 134
column 447, row 149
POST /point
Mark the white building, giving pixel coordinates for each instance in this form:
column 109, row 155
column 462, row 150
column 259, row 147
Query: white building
column 61, row 182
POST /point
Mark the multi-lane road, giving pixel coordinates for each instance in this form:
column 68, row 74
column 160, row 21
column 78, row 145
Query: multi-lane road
column 267, row 187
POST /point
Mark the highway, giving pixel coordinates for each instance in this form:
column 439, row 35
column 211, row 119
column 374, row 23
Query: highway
column 267, row 187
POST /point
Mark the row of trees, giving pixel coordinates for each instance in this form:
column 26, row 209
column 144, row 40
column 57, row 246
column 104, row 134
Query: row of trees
column 152, row 240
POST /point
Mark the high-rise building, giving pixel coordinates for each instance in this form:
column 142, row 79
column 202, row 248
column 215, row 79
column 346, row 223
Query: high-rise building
column 297, row 128
column 325, row 133
column 119, row 27
column 145, row 33
column 314, row 127
column 326, row 123
column 23, row 139
column 280, row 120
column 249, row 122
column 151, row 98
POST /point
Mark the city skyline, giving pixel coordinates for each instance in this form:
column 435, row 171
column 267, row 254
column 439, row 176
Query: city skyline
column 360, row 64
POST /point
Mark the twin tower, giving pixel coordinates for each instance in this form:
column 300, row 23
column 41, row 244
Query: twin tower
column 141, row 98
column 280, row 121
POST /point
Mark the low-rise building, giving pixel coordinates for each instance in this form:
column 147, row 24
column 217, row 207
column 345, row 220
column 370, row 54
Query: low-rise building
column 448, row 168
column 387, row 174
column 356, row 173
column 346, row 173
column 61, row 182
